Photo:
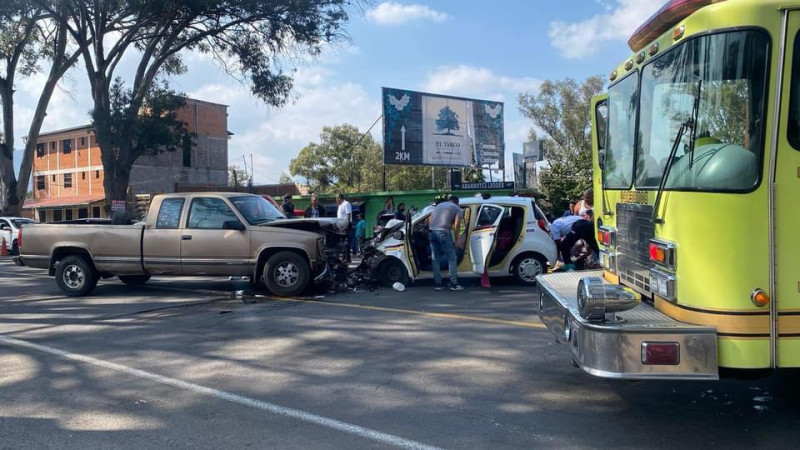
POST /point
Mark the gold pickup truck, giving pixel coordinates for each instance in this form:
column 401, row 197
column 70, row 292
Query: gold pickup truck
column 188, row 235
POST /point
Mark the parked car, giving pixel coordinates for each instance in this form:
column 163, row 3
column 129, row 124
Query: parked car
column 9, row 230
column 186, row 235
column 509, row 236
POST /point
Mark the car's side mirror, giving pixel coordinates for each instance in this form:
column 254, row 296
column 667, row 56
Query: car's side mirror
column 397, row 235
column 4, row 228
column 233, row 225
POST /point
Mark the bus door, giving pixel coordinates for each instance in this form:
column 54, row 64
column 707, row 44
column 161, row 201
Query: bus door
column 786, row 212
column 481, row 241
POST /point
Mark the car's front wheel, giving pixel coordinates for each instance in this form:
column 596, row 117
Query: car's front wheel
column 75, row 276
column 527, row 267
column 286, row 274
column 393, row 271
column 14, row 248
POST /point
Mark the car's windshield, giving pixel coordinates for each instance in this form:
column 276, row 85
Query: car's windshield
column 622, row 103
column 256, row 210
column 730, row 71
column 20, row 222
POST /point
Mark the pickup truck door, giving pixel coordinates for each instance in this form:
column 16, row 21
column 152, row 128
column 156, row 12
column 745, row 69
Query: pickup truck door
column 162, row 241
column 209, row 245
column 483, row 235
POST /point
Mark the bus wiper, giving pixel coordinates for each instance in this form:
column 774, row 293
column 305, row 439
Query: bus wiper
column 691, row 122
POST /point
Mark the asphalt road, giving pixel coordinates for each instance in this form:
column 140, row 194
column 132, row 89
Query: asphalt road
column 188, row 363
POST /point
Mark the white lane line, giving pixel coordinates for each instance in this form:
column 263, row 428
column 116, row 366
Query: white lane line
column 234, row 398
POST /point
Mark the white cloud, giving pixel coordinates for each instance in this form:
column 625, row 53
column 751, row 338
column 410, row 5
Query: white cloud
column 617, row 22
column 276, row 135
column 480, row 82
column 391, row 13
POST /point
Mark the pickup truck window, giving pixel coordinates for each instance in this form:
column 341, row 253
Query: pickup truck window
column 256, row 210
column 210, row 213
column 169, row 216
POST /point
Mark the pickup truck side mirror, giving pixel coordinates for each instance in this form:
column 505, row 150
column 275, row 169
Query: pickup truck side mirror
column 233, row 225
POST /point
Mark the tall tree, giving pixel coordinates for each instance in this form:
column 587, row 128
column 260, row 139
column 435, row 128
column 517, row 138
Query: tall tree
column 28, row 38
column 344, row 160
column 246, row 37
column 561, row 110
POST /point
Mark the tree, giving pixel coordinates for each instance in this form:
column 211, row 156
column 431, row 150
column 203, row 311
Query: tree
column 345, row 160
column 447, row 121
column 28, row 37
column 562, row 111
column 245, row 37
column 237, row 177
column 285, row 178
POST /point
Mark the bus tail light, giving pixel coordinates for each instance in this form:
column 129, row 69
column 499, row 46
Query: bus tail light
column 606, row 236
column 662, row 253
column 661, row 353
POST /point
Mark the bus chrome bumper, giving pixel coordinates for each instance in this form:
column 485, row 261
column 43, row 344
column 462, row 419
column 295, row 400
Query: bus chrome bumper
column 617, row 348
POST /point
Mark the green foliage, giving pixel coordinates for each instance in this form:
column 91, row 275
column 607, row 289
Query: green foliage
column 285, row 178
column 345, row 160
column 154, row 128
column 237, row 176
column 562, row 111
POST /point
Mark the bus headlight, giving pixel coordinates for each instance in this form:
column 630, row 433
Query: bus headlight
column 609, row 261
column 596, row 299
column 662, row 284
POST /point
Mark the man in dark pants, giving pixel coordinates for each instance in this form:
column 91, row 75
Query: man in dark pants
column 444, row 221
column 582, row 229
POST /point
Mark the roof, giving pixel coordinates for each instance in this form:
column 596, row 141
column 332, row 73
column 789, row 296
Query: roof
column 87, row 127
column 77, row 200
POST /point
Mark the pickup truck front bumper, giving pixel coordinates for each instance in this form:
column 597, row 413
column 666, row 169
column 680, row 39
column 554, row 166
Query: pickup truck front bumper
column 615, row 349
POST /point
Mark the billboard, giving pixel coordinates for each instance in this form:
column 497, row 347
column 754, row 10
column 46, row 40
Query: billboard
column 532, row 151
column 437, row 130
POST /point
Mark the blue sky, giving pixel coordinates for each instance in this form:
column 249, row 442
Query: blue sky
column 469, row 48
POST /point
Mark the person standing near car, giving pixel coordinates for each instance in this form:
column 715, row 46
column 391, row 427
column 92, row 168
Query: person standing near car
column 345, row 211
column 288, row 206
column 315, row 210
column 361, row 233
column 445, row 219
column 401, row 212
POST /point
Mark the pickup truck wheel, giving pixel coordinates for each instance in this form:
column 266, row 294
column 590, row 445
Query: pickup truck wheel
column 75, row 276
column 134, row 280
column 286, row 274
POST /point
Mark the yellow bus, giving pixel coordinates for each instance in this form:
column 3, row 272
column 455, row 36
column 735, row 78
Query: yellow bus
column 696, row 181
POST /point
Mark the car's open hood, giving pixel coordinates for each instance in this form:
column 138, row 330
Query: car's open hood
column 337, row 226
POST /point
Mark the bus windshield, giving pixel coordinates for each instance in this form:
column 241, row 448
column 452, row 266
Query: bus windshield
column 622, row 103
column 723, row 149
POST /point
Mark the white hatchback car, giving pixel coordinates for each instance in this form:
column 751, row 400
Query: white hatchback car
column 507, row 236
column 9, row 230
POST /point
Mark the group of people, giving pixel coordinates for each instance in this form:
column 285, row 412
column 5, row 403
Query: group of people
column 357, row 226
column 575, row 236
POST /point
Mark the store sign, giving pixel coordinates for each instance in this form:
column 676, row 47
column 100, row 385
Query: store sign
column 484, row 186
column 117, row 205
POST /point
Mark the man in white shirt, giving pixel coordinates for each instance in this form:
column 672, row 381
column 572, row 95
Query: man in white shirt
column 345, row 211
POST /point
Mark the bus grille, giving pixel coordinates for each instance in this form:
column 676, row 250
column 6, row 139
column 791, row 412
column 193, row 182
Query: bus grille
column 635, row 228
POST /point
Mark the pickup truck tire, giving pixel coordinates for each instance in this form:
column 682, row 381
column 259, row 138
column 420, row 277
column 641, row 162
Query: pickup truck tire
column 75, row 276
column 286, row 274
column 134, row 280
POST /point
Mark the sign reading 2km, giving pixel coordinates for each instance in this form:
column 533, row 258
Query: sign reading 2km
column 437, row 130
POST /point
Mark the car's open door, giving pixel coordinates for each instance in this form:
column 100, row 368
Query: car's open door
column 483, row 235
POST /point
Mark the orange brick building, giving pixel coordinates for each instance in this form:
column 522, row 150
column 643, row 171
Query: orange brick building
column 68, row 172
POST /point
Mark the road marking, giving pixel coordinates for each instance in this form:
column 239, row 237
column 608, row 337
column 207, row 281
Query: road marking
column 515, row 323
column 223, row 395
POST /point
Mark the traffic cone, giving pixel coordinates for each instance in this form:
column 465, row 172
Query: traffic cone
column 4, row 248
column 485, row 279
